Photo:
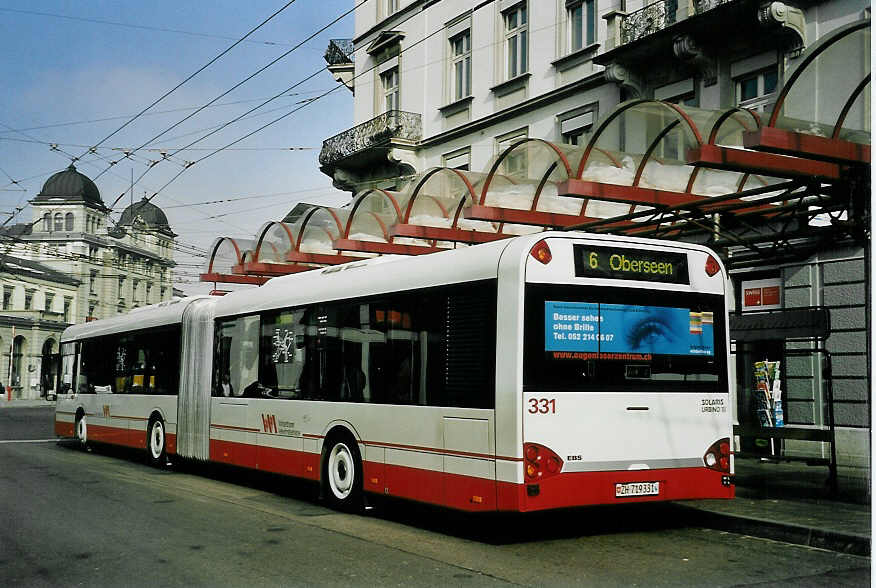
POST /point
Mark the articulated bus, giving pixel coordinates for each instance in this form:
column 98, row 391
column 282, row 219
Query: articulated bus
column 545, row 371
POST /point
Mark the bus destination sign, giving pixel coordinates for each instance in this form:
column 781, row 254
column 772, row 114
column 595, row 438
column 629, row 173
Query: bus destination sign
column 621, row 263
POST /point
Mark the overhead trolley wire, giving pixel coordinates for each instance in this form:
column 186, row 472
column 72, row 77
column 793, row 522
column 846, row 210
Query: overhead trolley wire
column 199, row 70
column 135, row 26
column 242, row 82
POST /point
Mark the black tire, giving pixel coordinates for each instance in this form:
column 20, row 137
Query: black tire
column 156, row 443
column 80, row 430
column 342, row 474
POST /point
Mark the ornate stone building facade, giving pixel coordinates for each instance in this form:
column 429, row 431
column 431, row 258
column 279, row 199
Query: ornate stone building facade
column 71, row 264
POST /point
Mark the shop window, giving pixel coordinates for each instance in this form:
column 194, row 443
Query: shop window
column 460, row 65
column 516, row 40
column 582, row 23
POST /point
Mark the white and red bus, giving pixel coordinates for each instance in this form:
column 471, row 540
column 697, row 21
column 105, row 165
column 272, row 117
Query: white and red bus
column 544, row 371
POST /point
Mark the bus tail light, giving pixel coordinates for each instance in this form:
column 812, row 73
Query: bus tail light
column 539, row 462
column 712, row 266
column 717, row 456
column 541, row 252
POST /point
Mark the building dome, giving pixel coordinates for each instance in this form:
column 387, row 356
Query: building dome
column 71, row 186
column 145, row 215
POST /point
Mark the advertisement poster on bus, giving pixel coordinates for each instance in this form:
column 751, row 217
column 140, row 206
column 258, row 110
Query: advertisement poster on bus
column 613, row 330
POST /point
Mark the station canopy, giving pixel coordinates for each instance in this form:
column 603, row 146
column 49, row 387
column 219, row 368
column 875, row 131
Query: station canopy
column 752, row 185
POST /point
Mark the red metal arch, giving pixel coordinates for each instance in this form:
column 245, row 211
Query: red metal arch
column 358, row 201
column 620, row 109
column 215, row 248
column 422, row 182
column 813, row 51
column 560, row 156
column 263, row 233
column 306, row 219
column 848, row 106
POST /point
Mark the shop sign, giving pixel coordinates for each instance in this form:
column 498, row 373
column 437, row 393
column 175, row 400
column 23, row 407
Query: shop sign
column 762, row 294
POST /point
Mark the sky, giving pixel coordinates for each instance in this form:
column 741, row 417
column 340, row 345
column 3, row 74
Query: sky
column 74, row 72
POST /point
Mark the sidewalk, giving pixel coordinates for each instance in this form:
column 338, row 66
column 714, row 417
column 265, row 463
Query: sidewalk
column 790, row 502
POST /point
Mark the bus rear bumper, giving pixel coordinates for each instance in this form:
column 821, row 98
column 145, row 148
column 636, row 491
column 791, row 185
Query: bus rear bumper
column 592, row 488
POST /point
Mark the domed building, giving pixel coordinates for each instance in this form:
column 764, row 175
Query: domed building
column 71, row 264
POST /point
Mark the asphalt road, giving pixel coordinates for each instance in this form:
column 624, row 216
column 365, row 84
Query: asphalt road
column 105, row 518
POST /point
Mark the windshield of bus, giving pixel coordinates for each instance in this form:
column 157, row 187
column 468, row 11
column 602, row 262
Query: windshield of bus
column 586, row 338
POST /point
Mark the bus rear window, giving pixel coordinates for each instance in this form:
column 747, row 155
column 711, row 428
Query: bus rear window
column 623, row 339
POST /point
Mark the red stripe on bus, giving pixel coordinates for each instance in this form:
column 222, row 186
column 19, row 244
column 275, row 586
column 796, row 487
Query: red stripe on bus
column 440, row 450
column 63, row 429
column 233, row 428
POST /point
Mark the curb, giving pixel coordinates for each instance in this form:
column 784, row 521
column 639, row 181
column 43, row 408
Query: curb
column 788, row 532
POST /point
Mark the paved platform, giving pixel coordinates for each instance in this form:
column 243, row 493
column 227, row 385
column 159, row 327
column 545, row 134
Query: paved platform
column 792, row 502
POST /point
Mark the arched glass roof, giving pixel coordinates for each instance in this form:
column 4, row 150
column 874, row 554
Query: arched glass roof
column 828, row 93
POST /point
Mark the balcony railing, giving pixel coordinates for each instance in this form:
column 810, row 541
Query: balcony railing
column 339, row 52
column 648, row 20
column 701, row 6
column 395, row 124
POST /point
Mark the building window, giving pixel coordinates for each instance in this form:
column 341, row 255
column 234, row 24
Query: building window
column 582, row 23
column 148, row 293
column 68, row 302
column 59, row 221
column 163, row 293
column 135, row 291
column 68, row 221
column 757, row 90
column 390, row 82
column 460, row 65
column 121, row 287
column 92, row 282
column 516, row 43
column 47, row 222
column 575, row 124
column 516, row 162
column 7, row 298
column 28, row 299
column 459, row 159
column 91, row 308
column 50, row 297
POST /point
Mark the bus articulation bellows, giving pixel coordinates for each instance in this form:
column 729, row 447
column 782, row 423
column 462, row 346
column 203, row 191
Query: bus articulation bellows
column 551, row 370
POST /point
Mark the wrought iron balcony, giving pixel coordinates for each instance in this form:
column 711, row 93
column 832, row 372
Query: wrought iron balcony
column 701, row 6
column 648, row 20
column 339, row 52
column 380, row 130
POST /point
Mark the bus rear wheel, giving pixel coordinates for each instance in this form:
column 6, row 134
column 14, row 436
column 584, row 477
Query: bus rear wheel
column 342, row 475
column 80, row 431
column 156, row 443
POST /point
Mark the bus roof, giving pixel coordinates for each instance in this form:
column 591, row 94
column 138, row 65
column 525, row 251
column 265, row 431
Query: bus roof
column 155, row 315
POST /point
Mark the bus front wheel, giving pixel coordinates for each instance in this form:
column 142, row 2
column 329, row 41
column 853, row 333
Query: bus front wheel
column 342, row 472
column 156, row 442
